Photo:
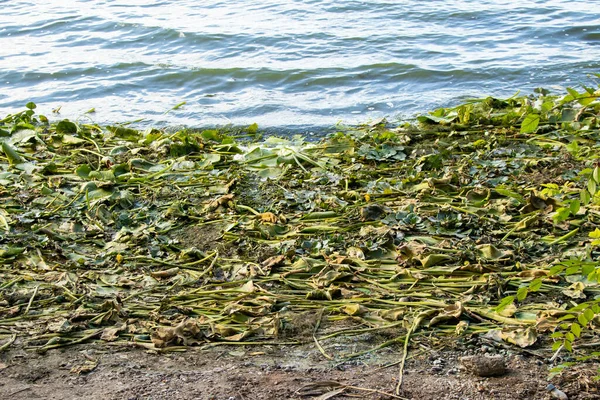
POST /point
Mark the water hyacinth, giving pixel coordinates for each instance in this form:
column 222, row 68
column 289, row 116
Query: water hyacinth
column 480, row 218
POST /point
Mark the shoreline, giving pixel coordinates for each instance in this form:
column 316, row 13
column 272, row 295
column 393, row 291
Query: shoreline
column 473, row 221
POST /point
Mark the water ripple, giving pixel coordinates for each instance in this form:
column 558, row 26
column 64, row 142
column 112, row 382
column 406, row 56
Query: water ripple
column 286, row 63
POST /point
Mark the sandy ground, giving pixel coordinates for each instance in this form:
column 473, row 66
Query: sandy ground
column 105, row 372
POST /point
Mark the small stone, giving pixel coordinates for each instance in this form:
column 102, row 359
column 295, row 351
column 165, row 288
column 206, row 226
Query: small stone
column 484, row 365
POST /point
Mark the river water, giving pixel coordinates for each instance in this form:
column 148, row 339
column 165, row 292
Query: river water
column 301, row 64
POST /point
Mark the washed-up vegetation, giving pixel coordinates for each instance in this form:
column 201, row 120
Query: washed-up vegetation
column 478, row 219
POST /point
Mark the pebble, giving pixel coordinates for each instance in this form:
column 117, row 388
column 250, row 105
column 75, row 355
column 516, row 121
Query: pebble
column 557, row 394
column 483, row 366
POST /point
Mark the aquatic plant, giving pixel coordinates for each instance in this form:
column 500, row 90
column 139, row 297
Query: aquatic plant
column 475, row 219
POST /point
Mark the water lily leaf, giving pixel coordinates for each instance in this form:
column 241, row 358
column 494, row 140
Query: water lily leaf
column 332, row 276
column 478, row 196
column 435, row 259
column 271, row 173
column 453, row 311
column 395, row 314
column 268, row 217
column 328, row 294
column 26, row 167
column 185, row 333
column 8, row 252
column 575, row 291
column 492, row 253
column 13, row 156
column 125, row 133
column 354, row 309
column 521, row 337
column 510, row 193
column 71, row 140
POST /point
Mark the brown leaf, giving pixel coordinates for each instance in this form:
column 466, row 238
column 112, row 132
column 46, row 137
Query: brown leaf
column 87, row 367
column 165, row 273
column 221, row 201
column 268, row 217
column 272, row 262
column 520, row 337
column 185, row 333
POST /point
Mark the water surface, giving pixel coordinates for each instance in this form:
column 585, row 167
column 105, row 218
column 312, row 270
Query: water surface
column 285, row 63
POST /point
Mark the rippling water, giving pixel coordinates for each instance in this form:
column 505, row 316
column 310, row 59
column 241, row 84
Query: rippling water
column 285, row 63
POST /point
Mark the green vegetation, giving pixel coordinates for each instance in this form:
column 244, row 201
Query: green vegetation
column 481, row 218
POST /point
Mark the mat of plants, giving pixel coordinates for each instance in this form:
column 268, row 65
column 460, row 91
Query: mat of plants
column 476, row 220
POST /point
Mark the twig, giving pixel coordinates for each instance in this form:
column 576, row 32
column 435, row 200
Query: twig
column 19, row 391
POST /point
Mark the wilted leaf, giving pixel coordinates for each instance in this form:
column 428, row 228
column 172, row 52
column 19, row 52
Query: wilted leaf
column 520, row 337
column 435, row 259
column 492, row 253
column 354, row 309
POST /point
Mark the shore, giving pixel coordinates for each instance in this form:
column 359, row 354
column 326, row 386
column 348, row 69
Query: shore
column 391, row 251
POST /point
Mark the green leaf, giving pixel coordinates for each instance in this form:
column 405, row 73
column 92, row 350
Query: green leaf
column 13, row 156
column 586, row 100
column 522, row 293
column 252, row 129
column 596, row 174
column 595, row 234
column 530, row 123
column 576, row 329
column 561, row 214
column 31, row 105
column 573, row 92
column 574, row 206
column 66, row 126
column 587, row 269
column 509, row 193
column 505, row 303
column 557, row 269
column 83, row 171
column 535, row 285
column 569, row 336
column 556, row 346
column 568, row 345
column 573, row 270
column 585, row 197
column 591, row 187
column 589, row 314
column 557, row 335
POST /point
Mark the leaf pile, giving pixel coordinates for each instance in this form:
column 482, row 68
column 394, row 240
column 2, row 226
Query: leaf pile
column 472, row 221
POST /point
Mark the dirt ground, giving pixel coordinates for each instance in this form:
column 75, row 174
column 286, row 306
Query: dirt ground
column 103, row 372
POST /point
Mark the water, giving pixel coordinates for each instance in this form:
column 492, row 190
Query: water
column 304, row 64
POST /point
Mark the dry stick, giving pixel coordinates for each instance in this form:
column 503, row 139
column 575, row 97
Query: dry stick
column 413, row 328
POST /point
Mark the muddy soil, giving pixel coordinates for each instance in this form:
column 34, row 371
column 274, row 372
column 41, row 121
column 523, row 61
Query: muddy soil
column 94, row 371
